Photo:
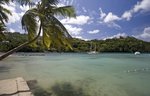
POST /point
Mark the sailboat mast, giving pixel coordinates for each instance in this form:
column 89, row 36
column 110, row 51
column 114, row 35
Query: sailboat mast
column 95, row 47
column 91, row 47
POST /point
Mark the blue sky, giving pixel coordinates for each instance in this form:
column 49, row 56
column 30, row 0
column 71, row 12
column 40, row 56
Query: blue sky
column 98, row 19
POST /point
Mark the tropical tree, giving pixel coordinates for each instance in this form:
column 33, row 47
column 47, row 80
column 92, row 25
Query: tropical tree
column 42, row 19
column 2, row 29
column 3, row 17
column 3, row 11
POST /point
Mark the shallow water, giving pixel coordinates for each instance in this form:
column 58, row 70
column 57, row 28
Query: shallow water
column 98, row 75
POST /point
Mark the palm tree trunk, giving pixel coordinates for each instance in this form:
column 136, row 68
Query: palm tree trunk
column 20, row 46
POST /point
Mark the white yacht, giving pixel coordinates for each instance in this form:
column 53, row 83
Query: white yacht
column 137, row 53
column 92, row 51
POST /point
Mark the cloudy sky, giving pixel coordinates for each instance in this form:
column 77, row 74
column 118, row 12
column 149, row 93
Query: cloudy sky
column 98, row 19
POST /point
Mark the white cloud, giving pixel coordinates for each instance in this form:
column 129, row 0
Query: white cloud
column 10, row 7
column 94, row 32
column 71, row 2
column 73, row 30
column 65, row 3
column 116, row 36
column 102, row 14
column 12, row 30
column 15, row 15
column 113, row 25
column 60, row 5
column 80, row 37
column 127, row 15
column 145, row 34
column 14, row 18
column 84, row 10
column 111, row 18
column 24, row 8
column 142, row 6
column 79, row 20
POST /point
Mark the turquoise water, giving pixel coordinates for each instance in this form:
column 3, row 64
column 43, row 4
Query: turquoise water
column 98, row 75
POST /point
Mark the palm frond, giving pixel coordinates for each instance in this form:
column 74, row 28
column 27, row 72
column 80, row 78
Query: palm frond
column 61, row 38
column 29, row 23
column 53, row 30
column 47, row 38
column 47, row 3
column 4, row 14
column 24, row 2
column 55, row 36
column 4, row 2
column 56, row 21
column 66, row 11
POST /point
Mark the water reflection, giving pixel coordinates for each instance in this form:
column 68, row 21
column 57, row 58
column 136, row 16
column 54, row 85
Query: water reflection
column 138, row 70
column 4, row 69
column 67, row 89
column 59, row 89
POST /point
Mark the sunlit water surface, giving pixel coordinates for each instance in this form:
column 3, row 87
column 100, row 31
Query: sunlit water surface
column 98, row 75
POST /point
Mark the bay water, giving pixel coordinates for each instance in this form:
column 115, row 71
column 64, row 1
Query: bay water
column 104, row 74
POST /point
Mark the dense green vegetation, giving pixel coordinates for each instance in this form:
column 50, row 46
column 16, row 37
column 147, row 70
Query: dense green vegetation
column 128, row 44
column 40, row 19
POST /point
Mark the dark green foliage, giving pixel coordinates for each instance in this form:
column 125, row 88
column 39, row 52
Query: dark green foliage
column 13, row 40
column 128, row 44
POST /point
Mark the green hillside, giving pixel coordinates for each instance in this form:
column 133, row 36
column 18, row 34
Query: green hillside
column 128, row 44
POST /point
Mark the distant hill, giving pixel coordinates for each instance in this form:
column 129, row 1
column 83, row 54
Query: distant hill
column 122, row 44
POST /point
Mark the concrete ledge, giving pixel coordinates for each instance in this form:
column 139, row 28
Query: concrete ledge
column 14, row 87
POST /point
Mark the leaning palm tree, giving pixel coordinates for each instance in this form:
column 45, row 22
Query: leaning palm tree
column 42, row 19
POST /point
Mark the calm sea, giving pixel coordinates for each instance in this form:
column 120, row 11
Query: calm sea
column 98, row 75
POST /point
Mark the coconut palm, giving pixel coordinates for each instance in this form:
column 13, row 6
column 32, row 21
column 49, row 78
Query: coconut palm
column 42, row 19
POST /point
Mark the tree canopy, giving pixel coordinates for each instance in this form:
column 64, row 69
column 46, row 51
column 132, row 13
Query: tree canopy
column 42, row 19
column 128, row 44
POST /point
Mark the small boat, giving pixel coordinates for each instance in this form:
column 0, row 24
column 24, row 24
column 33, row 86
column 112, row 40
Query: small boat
column 94, row 51
column 137, row 53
